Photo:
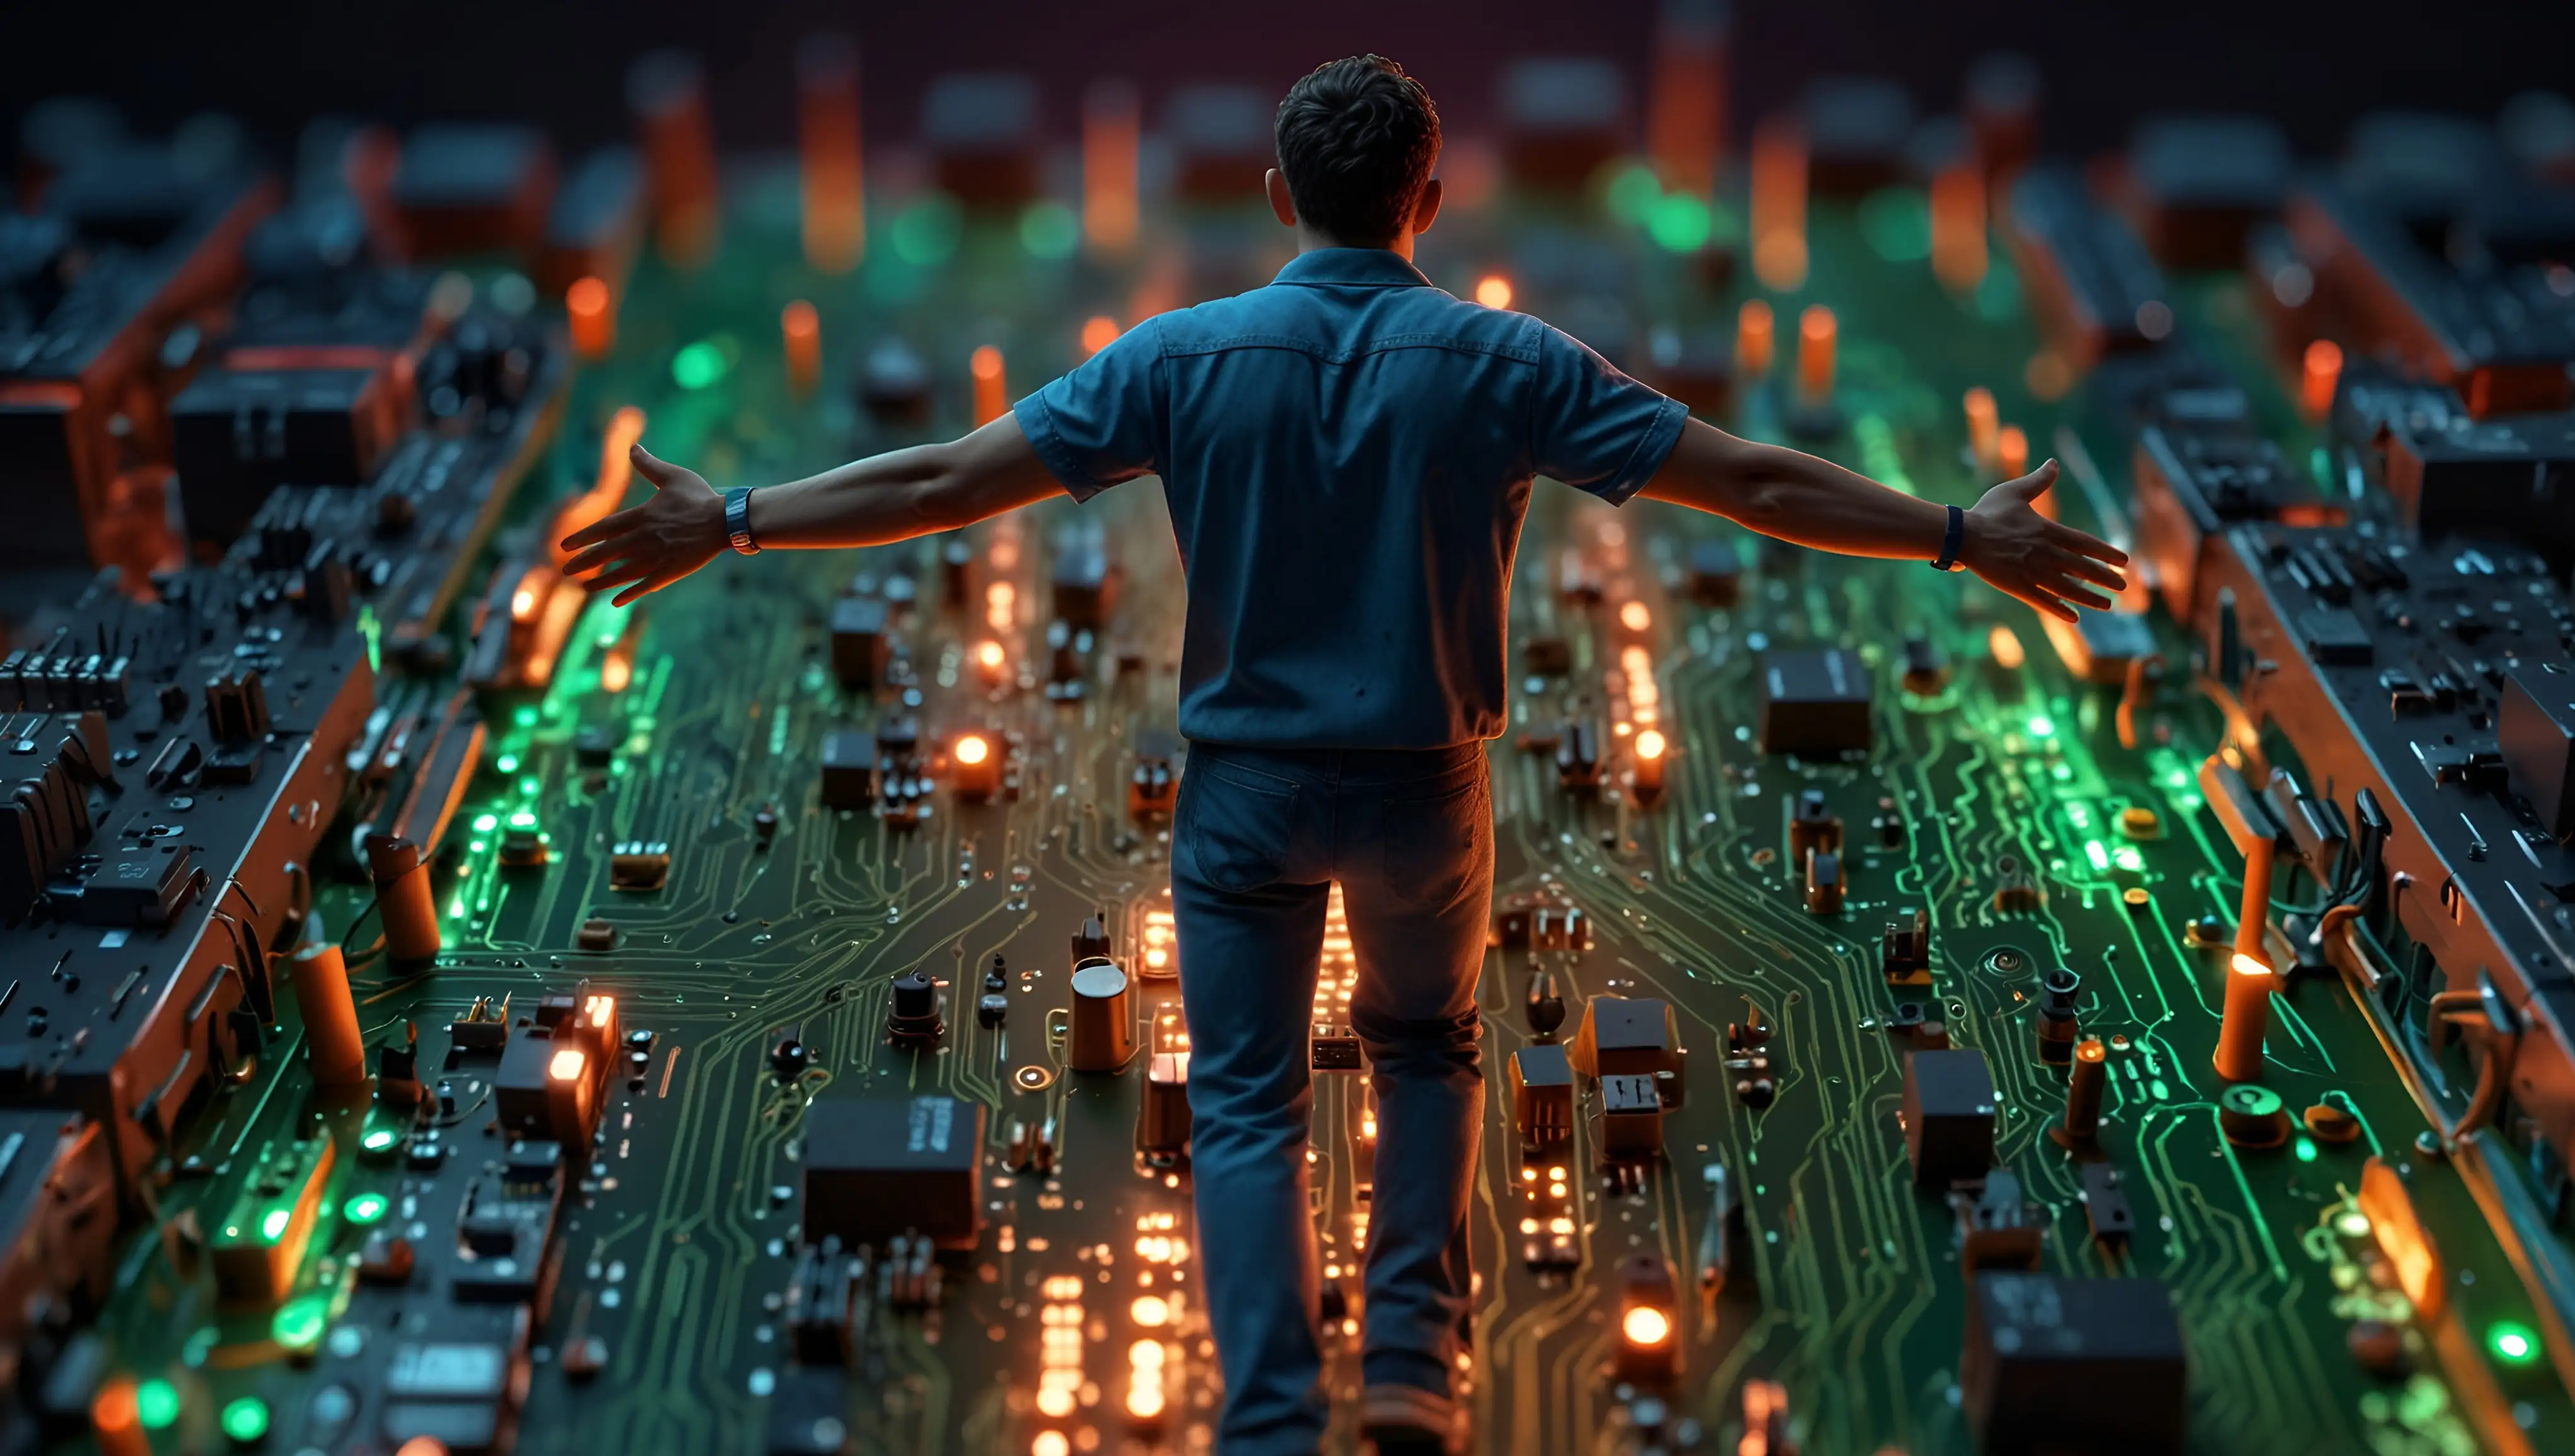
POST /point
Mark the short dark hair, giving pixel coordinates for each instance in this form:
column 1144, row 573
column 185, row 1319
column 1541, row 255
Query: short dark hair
column 1356, row 139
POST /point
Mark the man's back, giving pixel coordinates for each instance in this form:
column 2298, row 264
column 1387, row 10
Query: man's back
column 1348, row 454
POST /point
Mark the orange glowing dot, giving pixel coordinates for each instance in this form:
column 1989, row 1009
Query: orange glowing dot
column 523, row 604
column 1983, row 421
column 1752, row 339
column 2324, row 372
column 1144, row 1402
column 1779, row 260
column 422, row 1446
column 1145, row 1352
column 973, row 749
column 594, row 328
column 615, row 674
column 1494, row 291
column 990, row 655
column 1098, row 332
column 115, row 1411
column 1636, row 617
column 2005, row 647
column 2012, row 452
column 1150, row 1311
column 1646, row 1325
column 1056, row 1401
column 2250, row 965
column 599, row 1009
column 567, row 1064
column 2090, row 1049
column 1815, row 337
column 986, row 363
column 1650, row 744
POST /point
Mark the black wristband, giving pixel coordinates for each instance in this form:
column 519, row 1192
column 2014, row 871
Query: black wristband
column 738, row 521
column 1951, row 541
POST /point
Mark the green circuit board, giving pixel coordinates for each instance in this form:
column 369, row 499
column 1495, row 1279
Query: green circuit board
column 1995, row 794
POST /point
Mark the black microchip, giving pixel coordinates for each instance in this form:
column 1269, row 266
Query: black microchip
column 2335, row 638
column 2045, row 1359
column 1716, row 573
column 2106, row 1204
column 2536, row 731
column 1856, row 129
column 1543, row 1093
column 848, row 771
column 1814, row 704
column 2200, row 182
column 1948, row 1115
column 859, row 641
column 1334, row 1050
column 876, row 1167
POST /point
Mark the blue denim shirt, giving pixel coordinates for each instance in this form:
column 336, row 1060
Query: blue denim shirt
column 1348, row 455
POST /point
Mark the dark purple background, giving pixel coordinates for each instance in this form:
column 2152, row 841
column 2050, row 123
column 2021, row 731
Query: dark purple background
column 2312, row 66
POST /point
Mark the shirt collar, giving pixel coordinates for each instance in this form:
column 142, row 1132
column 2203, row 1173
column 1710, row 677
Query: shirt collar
column 1352, row 268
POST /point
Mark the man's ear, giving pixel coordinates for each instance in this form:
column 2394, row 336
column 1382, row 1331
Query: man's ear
column 1425, row 208
column 1282, row 205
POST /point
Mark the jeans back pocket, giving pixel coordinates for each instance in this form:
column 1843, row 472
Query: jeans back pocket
column 1237, row 821
column 1435, row 846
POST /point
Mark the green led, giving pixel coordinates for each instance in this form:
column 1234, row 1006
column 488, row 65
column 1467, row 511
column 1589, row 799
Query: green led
column 364, row 1209
column 246, row 1420
column 529, row 786
column 2097, row 852
column 2127, row 859
column 927, row 233
column 2513, row 1343
column 507, row 762
column 698, row 365
column 2040, row 727
column 486, row 824
column 523, row 820
column 1049, row 230
column 1681, row 222
column 2307, row 1148
column 377, row 1139
column 156, row 1404
column 1633, row 193
column 2352, row 1224
column 1896, row 223
column 272, row 1224
column 524, row 717
column 299, row 1323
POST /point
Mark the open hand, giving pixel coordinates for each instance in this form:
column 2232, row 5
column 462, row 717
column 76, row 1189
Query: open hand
column 2025, row 555
column 653, row 545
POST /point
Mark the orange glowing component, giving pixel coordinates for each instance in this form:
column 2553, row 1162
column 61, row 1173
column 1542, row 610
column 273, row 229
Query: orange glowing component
column 2246, row 1020
column 2090, row 1048
column 567, row 1064
column 2012, row 457
column 2323, row 373
column 989, row 657
column 1000, row 603
column 1494, row 291
column 1150, row 1311
column 1112, row 122
column 802, row 329
column 1779, row 205
column 1650, row 744
column 1057, row 1402
column 615, row 472
column 1815, row 331
column 553, row 624
column 1646, row 1326
column 422, row 1446
column 523, row 604
column 599, row 1009
column 1636, row 617
column 1144, row 1402
column 973, row 749
column 118, row 1416
column 1958, row 227
column 2005, row 645
column 594, row 320
column 1685, row 127
column 1098, row 332
column 1755, row 340
column 827, row 108
column 991, row 399
column 616, row 672
column 1983, row 423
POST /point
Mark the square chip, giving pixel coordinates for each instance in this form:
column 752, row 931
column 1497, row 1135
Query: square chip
column 876, row 1167
column 1814, row 704
column 1948, row 1115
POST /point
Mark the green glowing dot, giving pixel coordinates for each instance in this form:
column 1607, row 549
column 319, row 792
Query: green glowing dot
column 156, row 1404
column 2307, row 1151
column 2354, row 1225
column 2097, row 852
column 377, row 1139
column 297, row 1322
column 364, row 1209
column 697, row 365
column 524, row 717
column 529, row 786
column 928, row 232
column 523, row 820
column 2040, row 727
column 507, row 762
column 1681, row 222
column 272, row 1224
column 246, row 1420
column 1049, row 230
column 486, row 824
column 2512, row 1343
column 1896, row 222
column 1633, row 193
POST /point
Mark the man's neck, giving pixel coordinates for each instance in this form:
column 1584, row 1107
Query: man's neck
column 1309, row 241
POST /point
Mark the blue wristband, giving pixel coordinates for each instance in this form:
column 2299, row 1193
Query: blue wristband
column 1951, row 541
column 738, row 521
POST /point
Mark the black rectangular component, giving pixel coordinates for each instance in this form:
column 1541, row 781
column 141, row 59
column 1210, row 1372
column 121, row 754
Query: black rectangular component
column 473, row 189
column 1948, row 1115
column 1716, row 573
column 2335, row 638
column 2106, row 1204
column 237, row 435
column 859, row 646
column 1543, row 1095
column 876, row 1168
column 2091, row 283
column 848, row 771
column 2536, row 731
column 2055, row 1363
column 2196, row 185
column 1814, row 704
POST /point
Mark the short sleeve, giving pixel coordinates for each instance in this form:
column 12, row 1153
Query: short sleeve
column 1103, row 422
column 1593, row 427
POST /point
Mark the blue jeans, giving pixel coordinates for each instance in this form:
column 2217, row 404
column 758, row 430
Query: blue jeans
column 1258, row 837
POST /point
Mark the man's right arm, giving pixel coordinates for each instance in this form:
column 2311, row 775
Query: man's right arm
column 1798, row 498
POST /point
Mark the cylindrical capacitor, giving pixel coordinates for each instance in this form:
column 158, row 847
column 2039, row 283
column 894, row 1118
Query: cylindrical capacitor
column 117, row 1417
column 403, row 905
column 666, row 91
column 2249, row 1020
column 1103, row 1028
column 827, row 106
column 2083, row 1093
column 2056, row 1015
column 331, row 1032
column 1546, row 1005
column 801, row 329
column 911, row 1014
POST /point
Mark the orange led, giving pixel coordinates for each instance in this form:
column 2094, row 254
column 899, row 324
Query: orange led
column 2246, row 1019
column 991, row 401
column 2323, row 373
column 1650, row 744
column 1053, row 1443
column 1815, row 354
column 567, row 1064
column 117, row 1417
column 1055, row 1401
column 2012, row 458
column 973, row 749
column 1646, row 1326
column 1150, row 1311
column 1098, row 332
column 1779, row 205
column 803, row 330
column 1494, row 291
column 2005, row 645
column 600, row 1011
column 615, row 472
column 1983, row 423
column 1958, row 226
column 422, row 1446
column 616, row 672
column 1686, row 123
column 1111, row 123
column 827, row 106
column 594, row 320
column 1000, row 603
column 1754, row 339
